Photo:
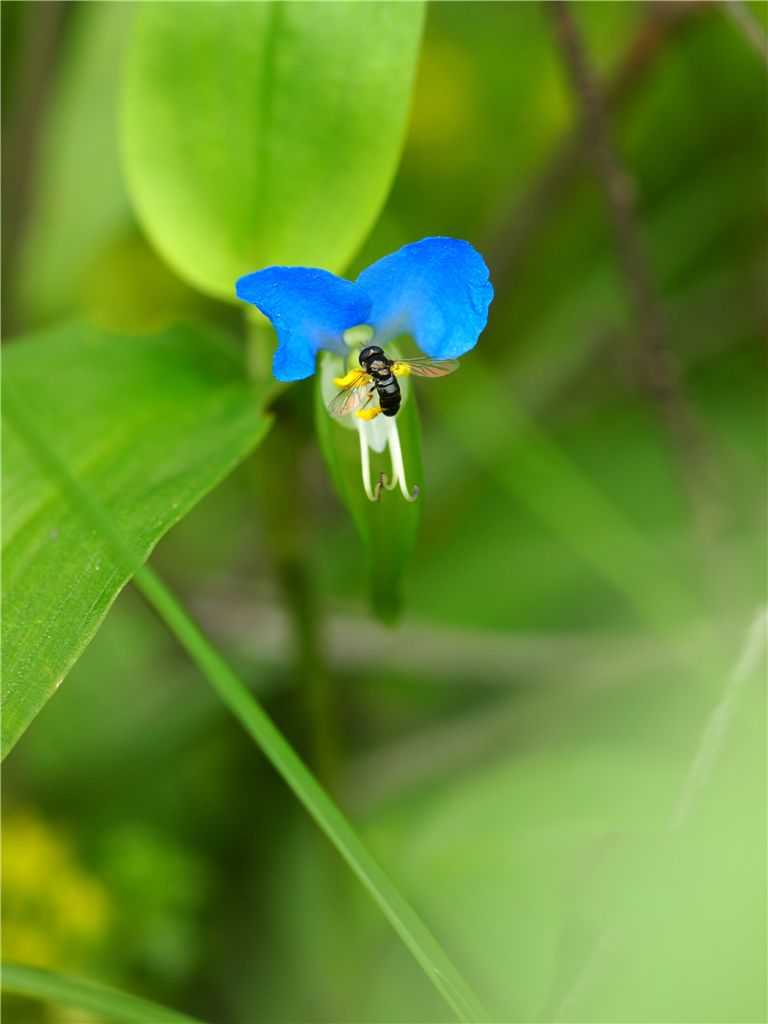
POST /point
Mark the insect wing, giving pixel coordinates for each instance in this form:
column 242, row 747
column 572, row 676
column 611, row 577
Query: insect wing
column 423, row 366
column 351, row 398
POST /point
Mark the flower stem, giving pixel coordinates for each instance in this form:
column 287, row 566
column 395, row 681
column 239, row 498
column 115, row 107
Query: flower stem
column 259, row 346
column 283, row 504
column 277, row 470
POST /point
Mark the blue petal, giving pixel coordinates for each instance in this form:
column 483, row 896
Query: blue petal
column 437, row 290
column 310, row 309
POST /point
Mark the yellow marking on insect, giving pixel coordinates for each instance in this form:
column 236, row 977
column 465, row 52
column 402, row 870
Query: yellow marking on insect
column 353, row 377
column 369, row 414
column 401, row 369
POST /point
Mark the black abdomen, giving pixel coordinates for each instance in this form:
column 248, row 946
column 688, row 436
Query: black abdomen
column 389, row 394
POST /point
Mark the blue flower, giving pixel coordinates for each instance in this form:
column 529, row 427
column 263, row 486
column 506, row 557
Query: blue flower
column 437, row 290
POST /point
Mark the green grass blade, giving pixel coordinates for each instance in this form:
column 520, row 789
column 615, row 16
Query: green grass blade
column 235, row 694
column 85, row 995
column 328, row 816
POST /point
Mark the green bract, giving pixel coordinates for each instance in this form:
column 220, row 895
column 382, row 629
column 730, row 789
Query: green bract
column 387, row 528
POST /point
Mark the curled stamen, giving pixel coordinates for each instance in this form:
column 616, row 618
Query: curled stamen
column 391, row 438
column 398, row 469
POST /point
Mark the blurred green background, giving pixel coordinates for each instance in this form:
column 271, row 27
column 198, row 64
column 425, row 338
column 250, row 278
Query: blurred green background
column 579, row 600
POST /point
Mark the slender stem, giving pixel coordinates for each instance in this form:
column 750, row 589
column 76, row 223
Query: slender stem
column 715, row 732
column 606, row 941
column 278, row 473
column 424, row 947
column 278, row 476
column 35, row 66
column 50, row 986
column 710, row 745
column 259, row 345
column 519, row 227
column 659, row 369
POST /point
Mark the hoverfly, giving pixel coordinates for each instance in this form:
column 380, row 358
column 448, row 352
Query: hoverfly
column 378, row 375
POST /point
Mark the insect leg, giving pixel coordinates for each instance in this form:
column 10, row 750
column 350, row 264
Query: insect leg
column 386, row 483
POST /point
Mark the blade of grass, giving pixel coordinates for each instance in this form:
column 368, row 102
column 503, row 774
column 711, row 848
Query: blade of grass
column 425, row 948
column 52, row 987
column 715, row 733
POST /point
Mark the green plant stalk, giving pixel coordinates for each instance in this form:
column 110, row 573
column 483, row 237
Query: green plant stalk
column 277, row 476
column 234, row 693
column 259, row 345
column 276, row 479
column 36, row 983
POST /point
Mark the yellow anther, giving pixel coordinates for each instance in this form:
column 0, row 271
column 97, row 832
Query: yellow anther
column 353, row 377
column 369, row 414
column 401, row 369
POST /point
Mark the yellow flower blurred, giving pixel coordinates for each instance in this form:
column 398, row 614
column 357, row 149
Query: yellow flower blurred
column 54, row 912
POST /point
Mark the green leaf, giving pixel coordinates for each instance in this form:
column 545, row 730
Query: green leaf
column 387, row 528
column 85, row 995
column 148, row 425
column 263, row 133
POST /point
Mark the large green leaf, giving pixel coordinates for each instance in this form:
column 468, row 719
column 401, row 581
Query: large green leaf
column 262, row 133
column 147, row 426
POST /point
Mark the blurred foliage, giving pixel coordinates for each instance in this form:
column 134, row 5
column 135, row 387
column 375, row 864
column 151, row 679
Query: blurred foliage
column 514, row 750
column 55, row 912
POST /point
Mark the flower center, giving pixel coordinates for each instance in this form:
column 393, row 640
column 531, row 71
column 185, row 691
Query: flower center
column 358, row 336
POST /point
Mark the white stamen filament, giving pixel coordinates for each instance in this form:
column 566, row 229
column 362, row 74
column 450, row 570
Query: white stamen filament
column 396, row 457
column 365, row 462
column 396, row 454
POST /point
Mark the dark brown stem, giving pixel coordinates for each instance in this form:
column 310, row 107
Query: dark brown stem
column 522, row 223
column 30, row 86
column 658, row 366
